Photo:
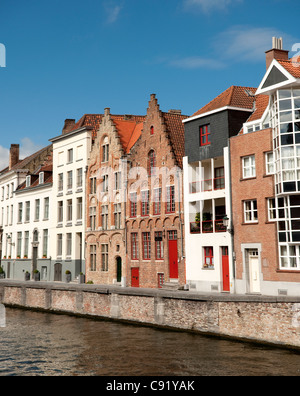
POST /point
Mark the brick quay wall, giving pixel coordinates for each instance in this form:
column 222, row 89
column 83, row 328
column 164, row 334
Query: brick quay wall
column 260, row 319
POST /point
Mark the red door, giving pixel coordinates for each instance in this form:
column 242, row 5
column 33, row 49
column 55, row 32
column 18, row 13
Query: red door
column 225, row 269
column 135, row 277
column 173, row 259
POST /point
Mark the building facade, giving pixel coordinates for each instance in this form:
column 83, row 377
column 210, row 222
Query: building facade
column 71, row 151
column 265, row 183
column 26, row 190
column 207, row 189
column 154, row 214
column 106, row 195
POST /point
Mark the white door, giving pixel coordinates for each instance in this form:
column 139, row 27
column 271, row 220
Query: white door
column 254, row 272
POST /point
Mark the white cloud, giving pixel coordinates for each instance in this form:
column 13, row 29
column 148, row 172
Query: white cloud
column 112, row 12
column 196, row 62
column 245, row 43
column 4, row 157
column 209, row 5
column 28, row 147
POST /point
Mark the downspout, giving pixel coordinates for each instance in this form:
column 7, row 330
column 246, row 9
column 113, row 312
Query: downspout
column 231, row 215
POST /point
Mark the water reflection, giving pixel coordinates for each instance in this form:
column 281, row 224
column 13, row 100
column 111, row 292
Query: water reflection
column 36, row 343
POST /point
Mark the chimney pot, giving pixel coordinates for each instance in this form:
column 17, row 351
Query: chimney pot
column 276, row 52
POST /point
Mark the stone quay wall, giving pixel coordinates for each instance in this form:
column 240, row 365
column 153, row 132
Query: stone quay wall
column 259, row 319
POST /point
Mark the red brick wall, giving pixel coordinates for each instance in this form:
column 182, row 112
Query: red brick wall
column 261, row 187
column 159, row 142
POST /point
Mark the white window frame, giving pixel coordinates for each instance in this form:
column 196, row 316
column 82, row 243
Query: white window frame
column 251, row 167
column 270, row 163
column 252, row 211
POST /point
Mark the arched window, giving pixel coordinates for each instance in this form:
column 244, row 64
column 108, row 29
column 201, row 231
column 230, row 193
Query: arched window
column 152, row 130
column 151, row 162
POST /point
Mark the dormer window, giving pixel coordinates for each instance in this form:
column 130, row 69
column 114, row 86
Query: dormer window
column 28, row 181
column 41, row 178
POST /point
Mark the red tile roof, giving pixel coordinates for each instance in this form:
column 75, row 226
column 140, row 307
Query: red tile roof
column 129, row 132
column 129, row 127
column 235, row 96
column 261, row 103
column 292, row 67
column 175, row 129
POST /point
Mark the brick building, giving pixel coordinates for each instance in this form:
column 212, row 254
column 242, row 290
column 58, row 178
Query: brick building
column 154, row 220
column 265, row 163
column 207, row 189
column 113, row 137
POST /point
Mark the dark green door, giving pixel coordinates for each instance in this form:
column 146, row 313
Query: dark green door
column 119, row 269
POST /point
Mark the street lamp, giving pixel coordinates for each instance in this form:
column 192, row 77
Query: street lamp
column 226, row 224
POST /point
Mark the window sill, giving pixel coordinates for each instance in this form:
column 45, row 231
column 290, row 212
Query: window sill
column 250, row 223
column 247, row 178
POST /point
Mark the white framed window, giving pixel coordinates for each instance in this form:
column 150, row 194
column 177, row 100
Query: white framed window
column 69, row 210
column 270, row 164
column 60, row 182
column 37, row 210
column 70, row 155
column 70, row 180
column 250, row 211
column 79, row 209
column 272, row 216
column 59, row 245
column 248, row 164
column 27, row 211
column 289, row 257
column 46, row 208
column 79, row 178
column 69, row 245
column 28, row 181
column 41, row 178
column 45, row 243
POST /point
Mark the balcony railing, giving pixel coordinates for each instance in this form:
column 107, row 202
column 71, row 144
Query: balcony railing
column 207, row 227
column 217, row 183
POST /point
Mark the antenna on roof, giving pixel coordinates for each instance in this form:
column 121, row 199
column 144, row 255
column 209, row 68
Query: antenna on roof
column 249, row 93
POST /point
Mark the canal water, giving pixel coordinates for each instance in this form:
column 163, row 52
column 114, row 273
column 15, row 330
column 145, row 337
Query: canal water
column 35, row 343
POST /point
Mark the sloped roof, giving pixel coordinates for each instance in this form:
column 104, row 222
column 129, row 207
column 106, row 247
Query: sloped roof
column 22, row 164
column 261, row 104
column 234, row 96
column 175, row 129
column 129, row 127
column 292, row 67
column 129, row 132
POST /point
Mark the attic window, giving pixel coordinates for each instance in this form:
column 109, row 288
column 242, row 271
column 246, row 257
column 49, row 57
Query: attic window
column 41, row 178
column 28, row 181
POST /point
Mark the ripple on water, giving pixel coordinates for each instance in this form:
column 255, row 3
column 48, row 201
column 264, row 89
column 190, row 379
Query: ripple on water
column 35, row 343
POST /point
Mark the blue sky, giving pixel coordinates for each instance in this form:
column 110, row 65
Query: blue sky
column 65, row 58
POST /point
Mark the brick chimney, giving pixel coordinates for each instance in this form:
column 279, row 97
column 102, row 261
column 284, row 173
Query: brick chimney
column 173, row 111
column 14, row 154
column 69, row 125
column 276, row 52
